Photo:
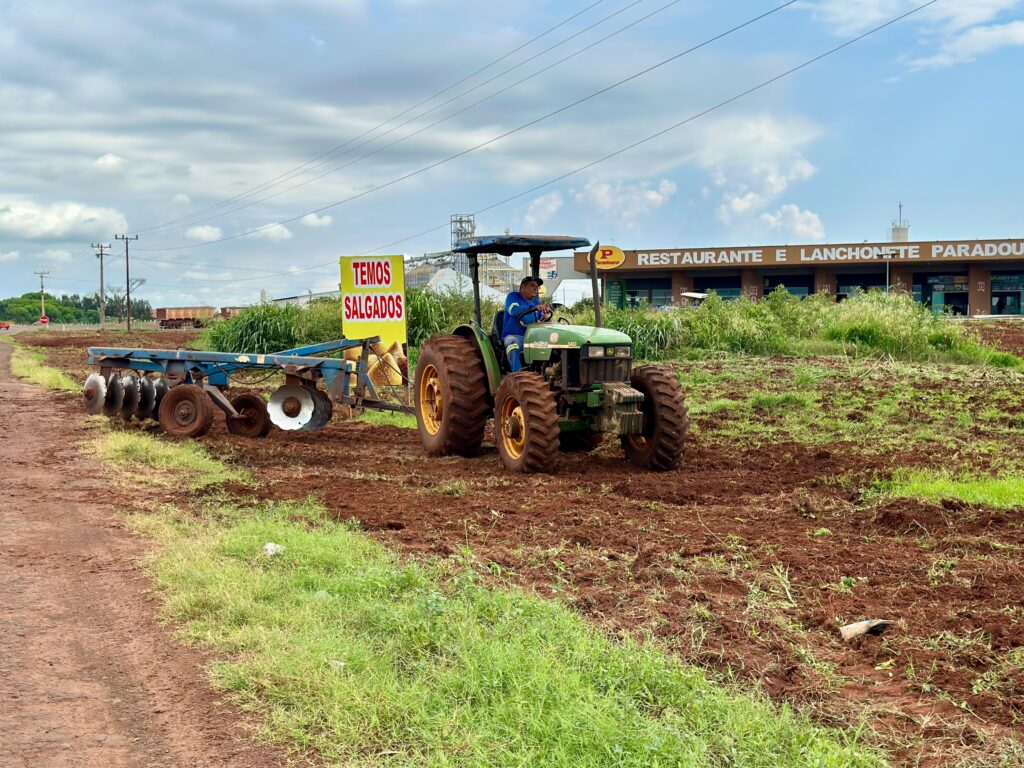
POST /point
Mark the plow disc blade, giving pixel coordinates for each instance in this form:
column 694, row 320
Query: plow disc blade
column 159, row 390
column 131, row 396
column 291, row 407
column 147, row 398
column 323, row 409
column 115, row 396
column 94, row 393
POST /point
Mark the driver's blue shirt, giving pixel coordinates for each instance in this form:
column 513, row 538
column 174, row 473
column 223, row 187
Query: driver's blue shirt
column 514, row 304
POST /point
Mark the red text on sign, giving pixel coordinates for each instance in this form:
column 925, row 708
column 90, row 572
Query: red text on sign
column 371, row 273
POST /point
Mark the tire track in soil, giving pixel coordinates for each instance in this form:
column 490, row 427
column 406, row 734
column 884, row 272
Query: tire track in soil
column 88, row 677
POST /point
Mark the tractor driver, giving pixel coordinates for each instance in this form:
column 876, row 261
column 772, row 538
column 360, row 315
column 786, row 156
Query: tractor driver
column 522, row 308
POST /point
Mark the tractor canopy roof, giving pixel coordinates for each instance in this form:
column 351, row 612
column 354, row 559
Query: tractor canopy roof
column 506, row 245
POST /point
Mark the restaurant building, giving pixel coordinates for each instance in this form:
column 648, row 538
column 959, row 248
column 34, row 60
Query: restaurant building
column 967, row 277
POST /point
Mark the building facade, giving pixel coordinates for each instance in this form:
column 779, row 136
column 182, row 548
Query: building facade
column 968, row 277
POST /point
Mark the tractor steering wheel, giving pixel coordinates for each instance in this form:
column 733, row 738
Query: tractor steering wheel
column 518, row 316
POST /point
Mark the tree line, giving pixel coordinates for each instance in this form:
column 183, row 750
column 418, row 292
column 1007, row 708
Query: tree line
column 71, row 308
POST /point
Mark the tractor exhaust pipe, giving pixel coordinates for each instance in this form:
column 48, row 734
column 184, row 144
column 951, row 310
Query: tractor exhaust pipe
column 594, row 283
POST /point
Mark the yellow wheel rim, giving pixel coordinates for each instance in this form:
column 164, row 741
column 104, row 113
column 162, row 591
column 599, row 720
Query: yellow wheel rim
column 431, row 400
column 513, row 428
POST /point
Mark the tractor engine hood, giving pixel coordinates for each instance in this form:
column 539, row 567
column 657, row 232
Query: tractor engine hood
column 541, row 338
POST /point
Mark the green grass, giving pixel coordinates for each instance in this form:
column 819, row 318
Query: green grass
column 191, row 460
column 772, row 401
column 31, row 366
column 1003, row 491
column 369, row 660
column 388, row 418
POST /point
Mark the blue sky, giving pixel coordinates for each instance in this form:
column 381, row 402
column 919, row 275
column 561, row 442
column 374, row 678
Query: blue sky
column 124, row 115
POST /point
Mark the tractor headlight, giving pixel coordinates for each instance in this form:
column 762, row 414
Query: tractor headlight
column 595, row 352
column 623, row 352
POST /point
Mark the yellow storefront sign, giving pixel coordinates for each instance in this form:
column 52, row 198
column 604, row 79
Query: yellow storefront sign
column 609, row 257
column 373, row 298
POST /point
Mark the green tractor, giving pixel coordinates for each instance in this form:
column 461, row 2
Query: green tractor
column 578, row 383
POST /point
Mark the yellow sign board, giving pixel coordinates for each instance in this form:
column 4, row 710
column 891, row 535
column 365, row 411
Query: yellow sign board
column 373, row 298
column 609, row 257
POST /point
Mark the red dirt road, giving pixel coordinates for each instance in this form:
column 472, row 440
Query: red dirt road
column 87, row 675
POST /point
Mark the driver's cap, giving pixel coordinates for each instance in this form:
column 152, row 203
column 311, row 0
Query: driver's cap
column 530, row 279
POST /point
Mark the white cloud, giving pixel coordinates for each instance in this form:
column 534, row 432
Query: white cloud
column 975, row 42
column 312, row 220
column 805, row 225
column 626, row 201
column 275, row 232
column 755, row 160
column 9, row 256
column 955, row 31
column 542, row 209
column 31, row 221
column 204, row 233
column 181, row 199
column 850, row 18
column 58, row 255
column 758, row 186
column 109, row 163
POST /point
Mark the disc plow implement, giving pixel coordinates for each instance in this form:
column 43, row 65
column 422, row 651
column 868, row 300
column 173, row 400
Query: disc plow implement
column 182, row 389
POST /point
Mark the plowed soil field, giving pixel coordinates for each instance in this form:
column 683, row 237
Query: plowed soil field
column 748, row 558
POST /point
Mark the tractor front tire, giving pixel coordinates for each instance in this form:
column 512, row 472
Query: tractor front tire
column 580, row 441
column 526, row 423
column 661, row 443
column 451, row 396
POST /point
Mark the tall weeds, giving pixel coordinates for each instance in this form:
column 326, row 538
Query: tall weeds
column 865, row 324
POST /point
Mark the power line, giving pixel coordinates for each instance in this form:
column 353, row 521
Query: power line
column 493, row 139
column 450, row 116
column 298, row 169
column 645, row 140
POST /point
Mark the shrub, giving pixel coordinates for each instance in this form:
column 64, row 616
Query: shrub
column 261, row 329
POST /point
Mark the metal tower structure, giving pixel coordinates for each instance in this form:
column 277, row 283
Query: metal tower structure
column 463, row 226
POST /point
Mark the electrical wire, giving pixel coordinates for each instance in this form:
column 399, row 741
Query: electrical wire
column 763, row 84
column 298, row 169
column 336, row 168
column 493, row 139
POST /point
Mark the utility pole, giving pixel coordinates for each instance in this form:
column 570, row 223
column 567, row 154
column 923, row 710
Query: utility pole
column 100, row 249
column 42, row 294
column 127, row 279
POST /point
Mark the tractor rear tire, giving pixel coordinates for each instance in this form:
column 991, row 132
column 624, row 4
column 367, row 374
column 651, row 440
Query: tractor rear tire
column 526, row 423
column 580, row 441
column 660, row 445
column 186, row 411
column 451, row 396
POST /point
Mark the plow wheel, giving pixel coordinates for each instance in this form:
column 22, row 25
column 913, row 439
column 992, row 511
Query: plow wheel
column 580, row 441
column 254, row 420
column 186, row 411
column 526, row 424
column 94, row 393
column 451, row 396
column 131, row 396
column 661, row 443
